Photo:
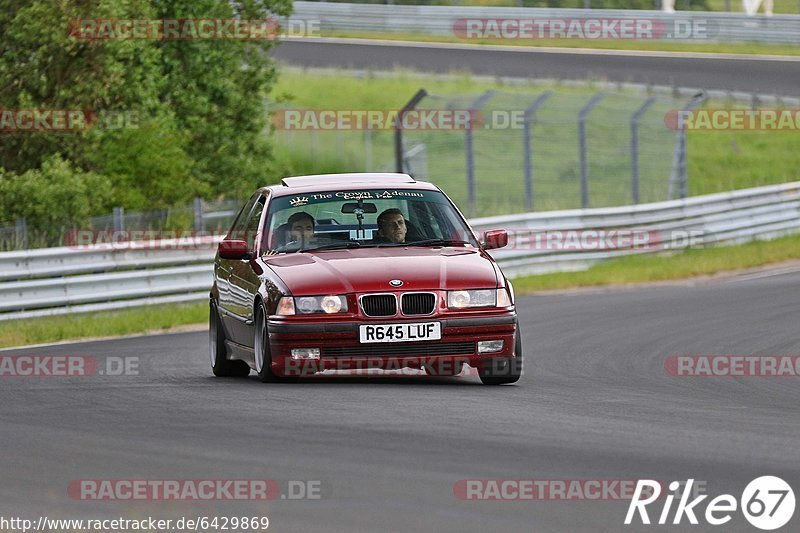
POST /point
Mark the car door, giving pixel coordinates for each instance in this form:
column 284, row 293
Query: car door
column 224, row 267
column 243, row 282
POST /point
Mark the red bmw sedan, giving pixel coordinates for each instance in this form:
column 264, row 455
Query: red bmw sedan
column 360, row 272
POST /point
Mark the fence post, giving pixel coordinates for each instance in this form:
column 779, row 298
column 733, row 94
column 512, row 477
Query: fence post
column 475, row 107
column 199, row 220
column 582, row 116
column 637, row 116
column 527, row 150
column 398, row 128
column 119, row 219
column 367, row 149
column 22, row 233
column 680, row 170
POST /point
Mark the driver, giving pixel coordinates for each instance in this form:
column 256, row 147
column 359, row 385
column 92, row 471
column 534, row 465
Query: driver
column 299, row 231
column 301, row 228
column 392, row 226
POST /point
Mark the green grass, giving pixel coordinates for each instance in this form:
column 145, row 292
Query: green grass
column 726, row 160
column 652, row 268
column 155, row 318
column 655, row 46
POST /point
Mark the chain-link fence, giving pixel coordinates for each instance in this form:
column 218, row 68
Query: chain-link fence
column 553, row 150
column 521, row 151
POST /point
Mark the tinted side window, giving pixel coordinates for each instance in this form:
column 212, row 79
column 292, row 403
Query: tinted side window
column 251, row 229
column 237, row 228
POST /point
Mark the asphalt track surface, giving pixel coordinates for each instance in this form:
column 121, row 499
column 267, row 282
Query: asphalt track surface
column 749, row 75
column 595, row 403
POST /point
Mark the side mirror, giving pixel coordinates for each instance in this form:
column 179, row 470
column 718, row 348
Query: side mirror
column 233, row 250
column 496, row 238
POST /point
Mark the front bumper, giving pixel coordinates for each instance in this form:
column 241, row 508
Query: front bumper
column 340, row 348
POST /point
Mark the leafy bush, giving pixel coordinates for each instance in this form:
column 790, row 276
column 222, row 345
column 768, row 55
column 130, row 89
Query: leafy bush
column 54, row 197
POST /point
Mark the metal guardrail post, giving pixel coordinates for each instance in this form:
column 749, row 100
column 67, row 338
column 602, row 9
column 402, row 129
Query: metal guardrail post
column 398, row 128
column 119, row 219
column 476, row 106
column 637, row 116
column 527, row 149
column 199, row 221
column 582, row 116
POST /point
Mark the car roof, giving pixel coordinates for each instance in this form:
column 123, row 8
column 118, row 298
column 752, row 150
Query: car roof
column 348, row 182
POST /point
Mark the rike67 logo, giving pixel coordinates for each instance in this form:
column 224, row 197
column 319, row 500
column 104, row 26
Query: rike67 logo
column 767, row 503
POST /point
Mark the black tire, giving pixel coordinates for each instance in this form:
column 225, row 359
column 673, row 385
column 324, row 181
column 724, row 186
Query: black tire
column 503, row 370
column 263, row 358
column 220, row 364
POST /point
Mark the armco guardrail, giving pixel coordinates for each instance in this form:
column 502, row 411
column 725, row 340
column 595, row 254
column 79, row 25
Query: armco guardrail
column 68, row 260
column 35, row 283
column 732, row 217
column 440, row 20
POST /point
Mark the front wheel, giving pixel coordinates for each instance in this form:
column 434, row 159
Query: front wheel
column 220, row 364
column 503, row 370
column 263, row 357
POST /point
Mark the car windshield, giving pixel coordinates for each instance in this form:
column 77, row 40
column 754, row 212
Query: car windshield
column 330, row 220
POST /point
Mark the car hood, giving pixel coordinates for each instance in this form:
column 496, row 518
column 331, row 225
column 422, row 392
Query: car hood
column 371, row 269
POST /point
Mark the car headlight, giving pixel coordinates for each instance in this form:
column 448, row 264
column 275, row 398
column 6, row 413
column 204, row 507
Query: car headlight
column 308, row 305
column 472, row 298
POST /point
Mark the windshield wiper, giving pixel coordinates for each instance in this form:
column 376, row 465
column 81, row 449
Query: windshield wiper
column 436, row 242
column 334, row 246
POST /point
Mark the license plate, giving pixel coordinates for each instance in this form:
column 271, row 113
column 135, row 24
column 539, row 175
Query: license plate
column 423, row 331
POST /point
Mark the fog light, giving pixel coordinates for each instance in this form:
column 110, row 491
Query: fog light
column 306, row 353
column 490, row 346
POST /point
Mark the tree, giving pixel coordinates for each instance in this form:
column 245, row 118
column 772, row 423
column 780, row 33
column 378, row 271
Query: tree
column 199, row 105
